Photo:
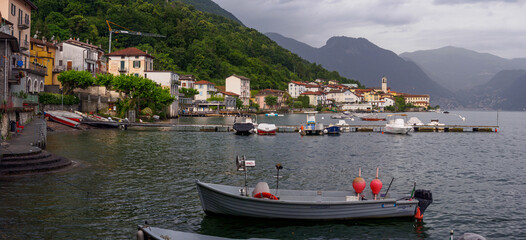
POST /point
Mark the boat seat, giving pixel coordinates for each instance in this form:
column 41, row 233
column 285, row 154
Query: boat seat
column 260, row 187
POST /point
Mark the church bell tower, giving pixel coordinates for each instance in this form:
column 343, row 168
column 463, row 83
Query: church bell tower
column 384, row 84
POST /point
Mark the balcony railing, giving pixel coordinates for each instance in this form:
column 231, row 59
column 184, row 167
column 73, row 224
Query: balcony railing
column 24, row 45
column 38, row 69
column 23, row 23
column 123, row 69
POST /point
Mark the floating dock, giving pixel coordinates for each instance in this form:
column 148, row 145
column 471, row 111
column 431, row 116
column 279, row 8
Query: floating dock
column 294, row 128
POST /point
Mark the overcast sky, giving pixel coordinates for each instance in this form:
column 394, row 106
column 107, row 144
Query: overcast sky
column 490, row 26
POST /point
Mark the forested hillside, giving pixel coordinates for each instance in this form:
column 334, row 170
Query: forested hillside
column 209, row 46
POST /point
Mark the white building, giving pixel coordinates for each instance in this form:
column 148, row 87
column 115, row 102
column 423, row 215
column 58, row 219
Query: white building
column 342, row 96
column 168, row 80
column 239, row 85
column 187, row 81
column 76, row 55
column 296, row 89
column 316, row 98
column 357, row 107
column 206, row 90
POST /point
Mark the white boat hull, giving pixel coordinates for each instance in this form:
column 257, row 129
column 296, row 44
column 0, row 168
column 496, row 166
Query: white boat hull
column 300, row 205
column 397, row 130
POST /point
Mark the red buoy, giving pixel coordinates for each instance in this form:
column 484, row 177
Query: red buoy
column 359, row 183
column 376, row 185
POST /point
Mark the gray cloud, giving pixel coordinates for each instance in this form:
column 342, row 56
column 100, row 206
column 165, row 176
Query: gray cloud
column 438, row 2
column 493, row 26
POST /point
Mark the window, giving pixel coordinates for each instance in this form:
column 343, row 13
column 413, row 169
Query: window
column 60, row 62
column 136, row 64
column 122, row 64
column 20, row 16
column 27, row 19
column 13, row 9
column 136, row 74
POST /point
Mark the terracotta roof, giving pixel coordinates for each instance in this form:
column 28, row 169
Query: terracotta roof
column 312, row 86
column 338, row 90
column 41, row 42
column 412, row 95
column 203, row 82
column 241, row 77
column 312, row 93
column 221, row 88
column 229, row 93
column 131, row 51
column 297, row 83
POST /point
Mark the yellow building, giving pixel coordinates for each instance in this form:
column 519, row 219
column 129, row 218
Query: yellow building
column 417, row 100
column 371, row 96
column 43, row 52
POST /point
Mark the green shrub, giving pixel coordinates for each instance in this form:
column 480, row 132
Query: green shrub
column 53, row 98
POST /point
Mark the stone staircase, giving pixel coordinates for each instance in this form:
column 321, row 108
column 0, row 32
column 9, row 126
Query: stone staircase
column 33, row 161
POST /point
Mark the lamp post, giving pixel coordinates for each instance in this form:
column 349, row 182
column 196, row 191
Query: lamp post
column 62, row 99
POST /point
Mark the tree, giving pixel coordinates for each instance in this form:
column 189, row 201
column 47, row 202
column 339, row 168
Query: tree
column 400, row 104
column 239, row 103
column 137, row 92
column 188, row 92
column 75, row 79
column 271, row 100
column 305, row 101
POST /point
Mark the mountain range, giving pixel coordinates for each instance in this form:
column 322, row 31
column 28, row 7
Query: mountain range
column 359, row 59
column 461, row 69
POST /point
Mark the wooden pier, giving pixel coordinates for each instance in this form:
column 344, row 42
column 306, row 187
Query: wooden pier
column 296, row 128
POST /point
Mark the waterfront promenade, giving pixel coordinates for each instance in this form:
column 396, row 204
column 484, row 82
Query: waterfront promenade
column 23, row 154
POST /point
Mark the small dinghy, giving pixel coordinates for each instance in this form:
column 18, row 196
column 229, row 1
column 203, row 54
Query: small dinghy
column 265, row 203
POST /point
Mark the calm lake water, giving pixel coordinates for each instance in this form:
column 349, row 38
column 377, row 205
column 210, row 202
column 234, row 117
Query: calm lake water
column 478, row 180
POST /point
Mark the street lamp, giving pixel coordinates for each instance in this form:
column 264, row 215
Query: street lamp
column 62, row 93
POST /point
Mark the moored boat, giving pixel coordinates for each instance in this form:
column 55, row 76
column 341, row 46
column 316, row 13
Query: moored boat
column 65, row 114
column 273, row 114
column 145, row 232
column 260, row 202
column 372, row 118
column 266, row 129
column 311, row 127
column 333, row 129
column 243, row 125
column 62, row 120
column 397, row 125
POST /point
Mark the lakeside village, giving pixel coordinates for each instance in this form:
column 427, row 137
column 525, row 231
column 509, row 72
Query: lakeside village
column 32, row 67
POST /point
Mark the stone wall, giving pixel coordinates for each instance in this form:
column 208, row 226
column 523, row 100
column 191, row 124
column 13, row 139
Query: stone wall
column 20, row 116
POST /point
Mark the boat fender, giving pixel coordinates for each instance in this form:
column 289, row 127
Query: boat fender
column 418, row 215
column 140, row 235
column 265, row 195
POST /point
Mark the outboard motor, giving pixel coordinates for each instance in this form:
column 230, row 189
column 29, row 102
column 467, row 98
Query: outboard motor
column 424, row 197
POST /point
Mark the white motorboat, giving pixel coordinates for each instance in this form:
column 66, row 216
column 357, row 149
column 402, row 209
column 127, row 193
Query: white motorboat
column 266, row 129
column 265, row 203
column 397, row 125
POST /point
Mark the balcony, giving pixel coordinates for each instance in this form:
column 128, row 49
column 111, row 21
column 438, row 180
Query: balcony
column 38, row 68
column 123, row 69
column 24, row 45
column 23, row 23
